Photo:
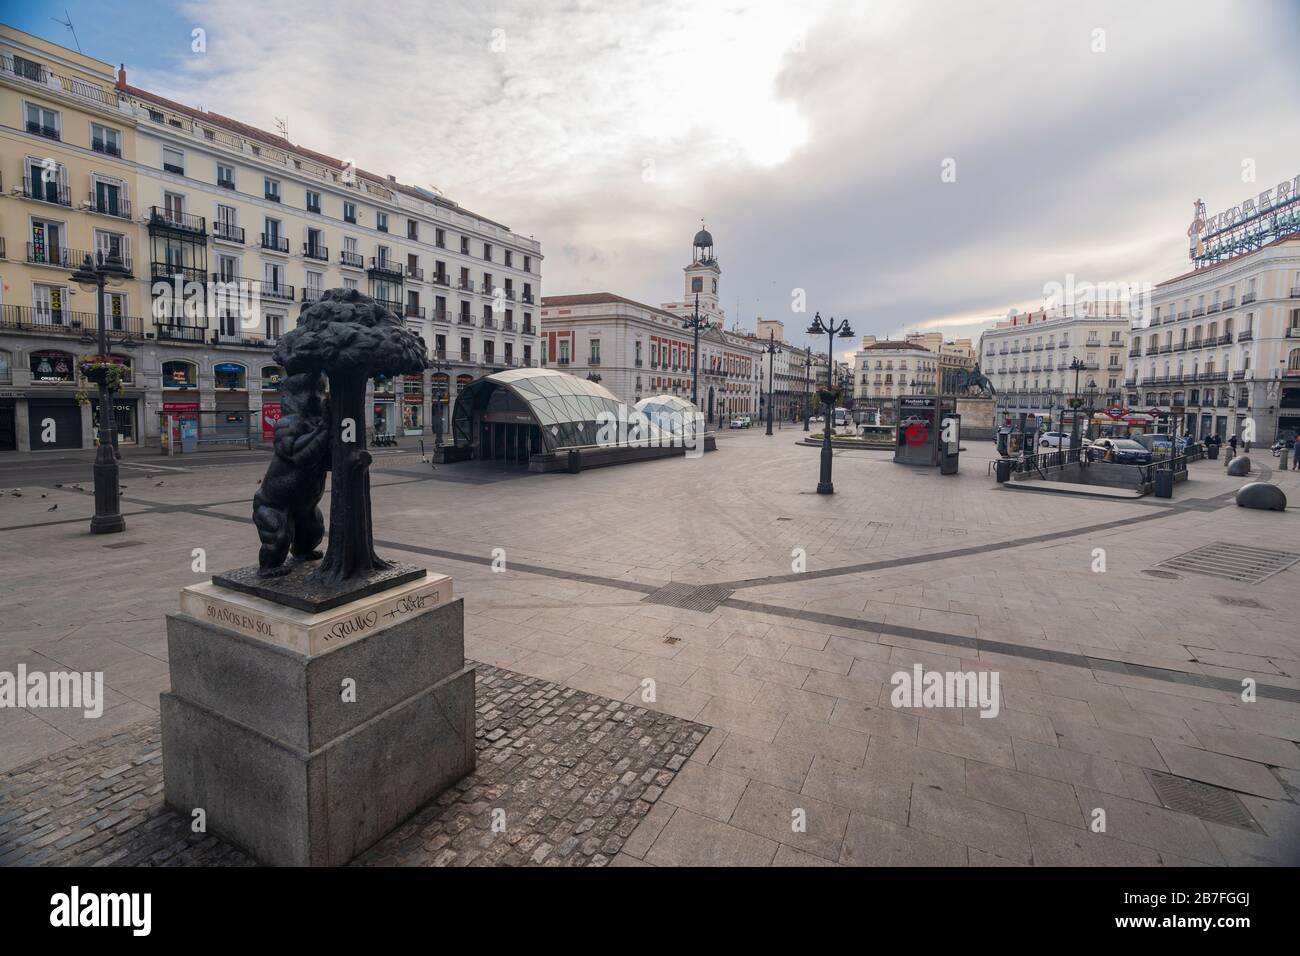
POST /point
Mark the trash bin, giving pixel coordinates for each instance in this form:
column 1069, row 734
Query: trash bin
column 1164, row 483
column 575, row 461
column 1212, row 451
column 1004, row 470
column 1282, row 459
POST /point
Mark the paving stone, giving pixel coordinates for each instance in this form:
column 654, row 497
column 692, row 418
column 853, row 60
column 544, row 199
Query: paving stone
column 1221, row 770
column 1148, row 825
column 690, row 839
column 872, row 842
column 859, row 789
column 779, row 766
column 842, row 744
column 707, row 790
column 792, row 818
column 967, row 740
column 1055, row 844
column 1014, row 790
column 959, row 818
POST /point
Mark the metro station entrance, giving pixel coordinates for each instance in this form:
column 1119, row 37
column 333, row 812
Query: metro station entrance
column 510, row 440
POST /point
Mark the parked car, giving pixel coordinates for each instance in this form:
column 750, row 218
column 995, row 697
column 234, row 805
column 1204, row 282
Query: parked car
column 1124, row 451
column 1158, row 445
column 741, row 421
column 1059, row 440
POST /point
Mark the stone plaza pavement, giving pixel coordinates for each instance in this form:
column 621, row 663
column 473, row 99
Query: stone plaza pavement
column 1121, row 689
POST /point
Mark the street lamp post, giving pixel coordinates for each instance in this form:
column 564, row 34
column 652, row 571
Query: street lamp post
column 94, row 275
column 1076, row 366
column 772, row 352
column 694, row 324
column 807, row 386
column 830, row 329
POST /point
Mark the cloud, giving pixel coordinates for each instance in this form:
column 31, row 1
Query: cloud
column 810, row 135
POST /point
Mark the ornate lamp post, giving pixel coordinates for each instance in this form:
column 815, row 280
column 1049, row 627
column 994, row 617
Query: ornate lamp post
column 93, row 276
column 695, row 323
column 830, row 329
column 772, row 352
column 807, row 386
column 1076, row 366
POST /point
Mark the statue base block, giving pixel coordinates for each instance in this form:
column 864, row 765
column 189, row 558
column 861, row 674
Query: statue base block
column 305, row 738
column 295, row 587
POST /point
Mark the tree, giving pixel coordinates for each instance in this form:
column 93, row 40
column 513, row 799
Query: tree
column 350, row 338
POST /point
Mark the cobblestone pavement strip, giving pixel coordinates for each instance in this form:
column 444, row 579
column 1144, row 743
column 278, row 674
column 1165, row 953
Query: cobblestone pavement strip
column 564, row 776
column 1110, row 677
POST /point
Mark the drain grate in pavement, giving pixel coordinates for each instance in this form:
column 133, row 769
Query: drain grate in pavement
column 1202, row 800
column 690, row 597
column 1240, row 602
column 1232, row 562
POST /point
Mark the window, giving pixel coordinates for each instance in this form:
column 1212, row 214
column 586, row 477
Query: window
column 173, row 161
column 381, row 221
column 440, row 238
column 595, row 353
column 42, row 121
column 464, row 245
column 412, row 229
column 350, row 212
column 178, row 374
column 697, row 284
column 528, row 263
column 226, row 225
column 510, row 258
column 230, row 376
column 487, row 252
column 564, row 351
column 313, row 201
column 103, row 139
column 271, row 189
column 225, row 176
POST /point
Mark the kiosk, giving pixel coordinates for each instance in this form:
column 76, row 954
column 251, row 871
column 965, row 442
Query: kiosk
column 920, row 432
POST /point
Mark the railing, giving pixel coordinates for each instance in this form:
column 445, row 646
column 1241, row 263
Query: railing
column 386, row 266
column 39, row 129
column 489, row 322
column 162, row 217
column 166, row 272
column 228, row 232
column 44, row 255
column 311, row 295
column 414, row 272
column 527, row 298
column 26, row 318
column 508, row 325
column 1175, row 464
column 175, row 332
column 1225, row 338
column 274, row 243
column 247, row 339
column 413, row 311
column 1248, row 298
column 464, row 319
column 1245, row 335
column 465, row 285
column 529, row 329
column 353, row 259
column 1198, row 311
column 283, row 292
column 1212, row 308
column 392, row 305
column 1229, row 304
column 272, row 196
column 310, row 251
column 110, row 206
column 440, row 315
column 442, row 279
column 51, row 192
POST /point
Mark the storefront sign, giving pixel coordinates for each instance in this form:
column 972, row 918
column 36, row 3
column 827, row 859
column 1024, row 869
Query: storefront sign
column 270, row 415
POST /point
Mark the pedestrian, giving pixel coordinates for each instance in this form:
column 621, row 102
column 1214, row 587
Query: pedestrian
column 1296, row 455
column 1232, row 446
column 1245, row 446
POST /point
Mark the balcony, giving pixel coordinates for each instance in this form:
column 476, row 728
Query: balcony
column 167, row 272
column 1295, row 292
column 39, row 129
column 280, row 291
column 489, row 322
column 1135, row 352
column 440, row 315
column 52, row 193
column 527, row 298
column 509, row 293
column 352, row 260
column 228, row 232
column 1229, row 304
column 311, row 295
column 414, row 272
column 387, row 268
column 1180, row 347
column 270, row 196
column 509, row 325
column 226, row 183
column 464, row 319
column 465, row 285
column 1238, row 375
column 392, row 305
column 313, row 208
column 109, row 205
column 1225, row 338
column 442, row 279
column 25, row 318
column 1248, row 298
column 529, row 329
column 1245, row 335
column 170, row 220
column 1293, row 332
column 254, row 340
column 562, row 360
column 320, row 253
column 491, row 359
column 57, row 256
column 173, row 332
column 1184, row 314
column 273, row 243
column 1213, row 307
column 467, row 358
column 413, row 311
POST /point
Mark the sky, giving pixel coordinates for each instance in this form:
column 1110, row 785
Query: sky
column 908, row 166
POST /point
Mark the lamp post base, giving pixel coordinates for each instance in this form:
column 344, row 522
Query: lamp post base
column 107, row 524
column 108, row 513
column 825, row 488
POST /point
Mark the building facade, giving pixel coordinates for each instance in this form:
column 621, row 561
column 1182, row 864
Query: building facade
column 885, row 370
column 640, row 350
column 228, row 232
column 1223, row 346
column 1038, row 360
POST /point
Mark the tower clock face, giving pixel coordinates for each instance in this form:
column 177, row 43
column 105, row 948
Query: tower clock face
column 697, row 284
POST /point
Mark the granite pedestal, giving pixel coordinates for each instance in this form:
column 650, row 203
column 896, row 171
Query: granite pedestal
column 306, row 737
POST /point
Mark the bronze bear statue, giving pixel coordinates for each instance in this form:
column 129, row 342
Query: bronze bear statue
column 286, row 507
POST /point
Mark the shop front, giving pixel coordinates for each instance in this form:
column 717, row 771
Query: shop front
column 178, row 427
column 384, row 408
column 413, row 405
column 272, row 376
column 8, row 421
column 232, row 419
column 440, row 392
column 53, row 412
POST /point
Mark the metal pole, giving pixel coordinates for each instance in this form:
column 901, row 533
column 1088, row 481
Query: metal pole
column 824, row 485
column 695, row 355
column 807, row 389
column 108, row 513
column 771, row 367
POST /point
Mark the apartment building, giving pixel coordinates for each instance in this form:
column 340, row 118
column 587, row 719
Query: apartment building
column 885, row 370
column 637, row 350
column 1037, row 360
column 228, row 232
column 1223, row 345
column 67, row 189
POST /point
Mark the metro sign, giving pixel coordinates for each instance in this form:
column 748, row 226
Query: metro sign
column 1116, row 411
